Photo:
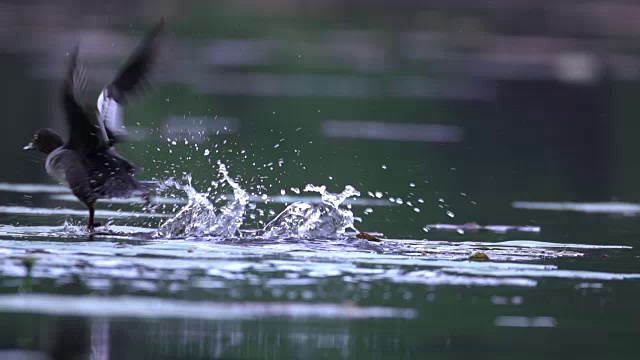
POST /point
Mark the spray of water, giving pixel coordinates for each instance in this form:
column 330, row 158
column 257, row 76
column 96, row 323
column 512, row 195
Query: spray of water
column 231, row 215
column 194, row 218
column 314, row 221
column 198, row 218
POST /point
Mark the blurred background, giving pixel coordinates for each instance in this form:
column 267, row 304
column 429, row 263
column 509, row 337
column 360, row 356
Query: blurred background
column 442, row 111
column 459, row 107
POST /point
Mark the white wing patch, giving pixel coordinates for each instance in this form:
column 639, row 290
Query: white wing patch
column 111, row 114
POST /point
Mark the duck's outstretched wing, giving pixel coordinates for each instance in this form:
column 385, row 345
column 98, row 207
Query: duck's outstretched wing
column 86, row 132
column 131, row 79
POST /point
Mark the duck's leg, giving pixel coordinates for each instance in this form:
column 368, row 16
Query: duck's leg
column 92, row 225
column 148, row 202
column 147, row 199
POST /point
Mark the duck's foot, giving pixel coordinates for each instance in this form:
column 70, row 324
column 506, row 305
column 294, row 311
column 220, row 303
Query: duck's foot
column 92, row 227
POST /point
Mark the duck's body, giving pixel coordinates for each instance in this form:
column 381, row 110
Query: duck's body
column 94, row 175
column 87, row 163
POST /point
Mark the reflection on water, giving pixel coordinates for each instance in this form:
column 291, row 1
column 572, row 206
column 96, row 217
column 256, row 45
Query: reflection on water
column 119, row 338
column 144, row 307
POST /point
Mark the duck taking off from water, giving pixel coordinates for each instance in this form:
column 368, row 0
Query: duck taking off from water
column 87, row 163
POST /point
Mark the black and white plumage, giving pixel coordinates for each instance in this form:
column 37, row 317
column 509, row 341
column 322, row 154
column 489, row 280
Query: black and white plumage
column 131, row 79
column 87, row 163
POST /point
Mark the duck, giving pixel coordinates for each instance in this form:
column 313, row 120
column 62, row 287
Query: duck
column 88, row 163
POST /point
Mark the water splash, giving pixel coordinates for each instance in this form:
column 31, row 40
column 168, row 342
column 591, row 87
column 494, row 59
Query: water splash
column 333, row 199
column 231, row 215
column 314, row 221
column 198, row 218
column 195, row 218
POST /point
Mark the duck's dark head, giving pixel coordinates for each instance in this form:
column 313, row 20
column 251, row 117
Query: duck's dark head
column 45, row 141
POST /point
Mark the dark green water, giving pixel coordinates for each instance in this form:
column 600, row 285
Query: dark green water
column 123, row 295
column 555, row 315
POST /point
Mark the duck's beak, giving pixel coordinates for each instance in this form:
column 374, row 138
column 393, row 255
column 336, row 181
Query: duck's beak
column 29, row 147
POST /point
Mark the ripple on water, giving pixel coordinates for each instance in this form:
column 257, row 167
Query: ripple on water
column 32, row 188
column 590, row 208
column 285, row 263
column 23, row 210
column 305, row 246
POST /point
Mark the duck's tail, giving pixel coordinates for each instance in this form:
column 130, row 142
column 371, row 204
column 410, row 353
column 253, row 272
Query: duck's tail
column 133, row 188
column 152, row 186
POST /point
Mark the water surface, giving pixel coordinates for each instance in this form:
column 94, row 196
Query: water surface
column 127, row 291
